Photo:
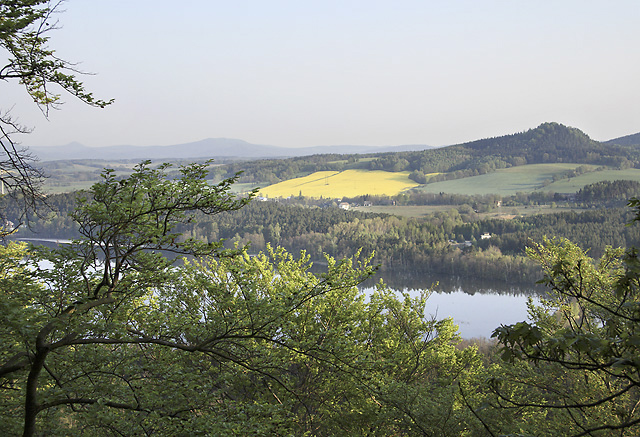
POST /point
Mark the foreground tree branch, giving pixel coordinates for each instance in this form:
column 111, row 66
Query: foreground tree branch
column 587, row 331
column 222, row 341
column 24, row 36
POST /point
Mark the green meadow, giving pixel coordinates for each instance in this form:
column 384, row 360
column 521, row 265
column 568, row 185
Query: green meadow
column 67, row 176
column 574, row 184
column 528, row 178
column 421, row 211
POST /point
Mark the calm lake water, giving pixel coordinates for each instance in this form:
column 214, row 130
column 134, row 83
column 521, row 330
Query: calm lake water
column 477, row 315
column 477, row 307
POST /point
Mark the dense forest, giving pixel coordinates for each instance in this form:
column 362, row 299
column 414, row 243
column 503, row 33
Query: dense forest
column 454, row 242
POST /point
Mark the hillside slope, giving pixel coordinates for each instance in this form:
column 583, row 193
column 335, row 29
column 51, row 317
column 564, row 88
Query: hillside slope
column 549, row 143
column 627, row 140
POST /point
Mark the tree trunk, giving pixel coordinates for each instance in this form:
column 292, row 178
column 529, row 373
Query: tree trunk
column 30, row 403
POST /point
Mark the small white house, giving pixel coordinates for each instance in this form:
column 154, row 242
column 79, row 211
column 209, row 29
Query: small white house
column 485, row 236
column 343, row 205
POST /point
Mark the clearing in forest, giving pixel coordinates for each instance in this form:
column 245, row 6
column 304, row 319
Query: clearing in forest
column 348, row 183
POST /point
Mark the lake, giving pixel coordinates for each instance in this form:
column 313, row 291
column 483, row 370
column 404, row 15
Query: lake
column 477, row 307
column 477, row 315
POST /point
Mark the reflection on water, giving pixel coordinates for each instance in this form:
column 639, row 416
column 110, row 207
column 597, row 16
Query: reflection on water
column 417, row 280
column 477, row 315
column 477, row 307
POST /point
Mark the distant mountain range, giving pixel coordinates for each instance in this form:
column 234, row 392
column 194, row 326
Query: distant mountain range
column 229, row 148
column 209, row 148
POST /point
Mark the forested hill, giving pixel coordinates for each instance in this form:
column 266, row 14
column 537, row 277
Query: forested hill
column 548, row 143
column 628, row 140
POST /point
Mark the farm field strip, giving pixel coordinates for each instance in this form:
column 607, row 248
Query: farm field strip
column 345, row 183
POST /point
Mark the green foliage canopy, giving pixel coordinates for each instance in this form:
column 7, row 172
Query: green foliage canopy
column 114, row 338
column 585, row 339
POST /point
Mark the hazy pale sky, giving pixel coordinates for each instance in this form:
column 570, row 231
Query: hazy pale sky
column 305, row 73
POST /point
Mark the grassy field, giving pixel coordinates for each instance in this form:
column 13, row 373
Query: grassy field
column 67, row 176
column 574, row 184
column 424, row 210
column 240, row 187
column 334, row 184
column 405, row 210
column 72, row 175
column 67, row 187
column 528, row 178
column 506, row 182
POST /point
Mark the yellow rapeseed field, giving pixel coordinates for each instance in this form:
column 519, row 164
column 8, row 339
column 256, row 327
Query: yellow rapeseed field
column 346, row 183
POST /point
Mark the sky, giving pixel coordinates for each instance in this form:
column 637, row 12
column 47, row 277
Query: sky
column 307, row 73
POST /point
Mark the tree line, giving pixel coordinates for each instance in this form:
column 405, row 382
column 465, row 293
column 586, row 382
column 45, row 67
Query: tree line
column 447, row 242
